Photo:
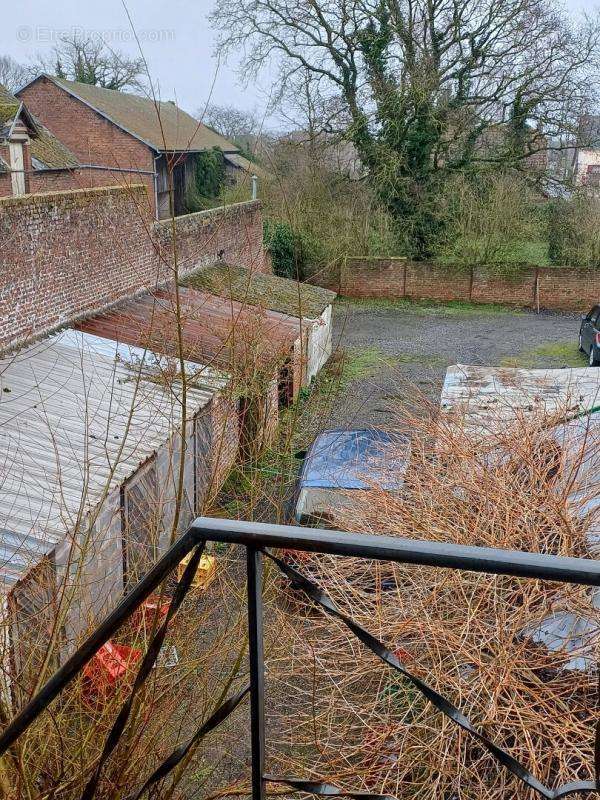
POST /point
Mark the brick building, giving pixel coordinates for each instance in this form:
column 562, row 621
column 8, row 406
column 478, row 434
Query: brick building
column 31, row 158
column 585, row 162
column 122, row 138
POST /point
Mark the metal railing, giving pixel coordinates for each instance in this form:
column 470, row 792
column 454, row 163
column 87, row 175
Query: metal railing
column 258, row 539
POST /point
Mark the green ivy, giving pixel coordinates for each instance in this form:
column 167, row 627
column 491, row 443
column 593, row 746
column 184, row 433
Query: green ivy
column 285, row 247
column 209, row 180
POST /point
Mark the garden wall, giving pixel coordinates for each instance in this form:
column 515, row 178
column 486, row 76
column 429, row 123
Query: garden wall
column 65, row 254
column 561, row 288
column 233, row 234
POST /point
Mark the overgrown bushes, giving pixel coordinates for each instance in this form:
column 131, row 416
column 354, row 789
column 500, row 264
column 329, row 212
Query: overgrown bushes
column 498, row 220
column 321, row 214
column 209, row 180
column 574, row 231
column 318, row 216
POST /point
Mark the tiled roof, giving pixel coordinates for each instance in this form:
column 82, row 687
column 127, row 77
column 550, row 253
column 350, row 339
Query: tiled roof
column 8, row 111
column 161, row 125
column 239, row 161
column 43, row 145
column 263, row 290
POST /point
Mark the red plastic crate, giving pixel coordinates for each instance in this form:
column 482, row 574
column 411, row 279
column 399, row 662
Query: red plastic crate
column 110, row 667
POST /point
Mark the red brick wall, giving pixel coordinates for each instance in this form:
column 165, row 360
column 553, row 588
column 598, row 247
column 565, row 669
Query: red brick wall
column 65, row 254
column 55, row 181
column 232, row 234
column 92, row 138
column 562, row 288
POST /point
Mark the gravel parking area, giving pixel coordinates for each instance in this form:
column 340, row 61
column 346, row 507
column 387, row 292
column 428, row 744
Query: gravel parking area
column 402, row 350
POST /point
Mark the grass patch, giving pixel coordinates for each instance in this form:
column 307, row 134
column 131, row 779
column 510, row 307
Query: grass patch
column 354, row 363
column 518, row 252
column 564, row 354
column 425, row 307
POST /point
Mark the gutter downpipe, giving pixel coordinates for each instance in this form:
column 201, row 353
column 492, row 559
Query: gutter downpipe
column 156, row 157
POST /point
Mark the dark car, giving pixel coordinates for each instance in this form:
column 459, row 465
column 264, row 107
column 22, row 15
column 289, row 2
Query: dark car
column 339, row 461
column 589, row 336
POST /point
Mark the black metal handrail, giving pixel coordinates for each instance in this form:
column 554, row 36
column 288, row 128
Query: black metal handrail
column 257, row 538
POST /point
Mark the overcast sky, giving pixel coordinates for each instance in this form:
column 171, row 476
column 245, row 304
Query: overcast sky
column 177, row 41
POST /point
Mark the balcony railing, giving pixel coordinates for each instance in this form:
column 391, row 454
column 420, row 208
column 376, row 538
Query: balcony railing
column 259, row 540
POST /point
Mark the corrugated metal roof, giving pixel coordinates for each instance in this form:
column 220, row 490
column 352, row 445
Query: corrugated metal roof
column 486, row 399
column 483, row 401
column 215, row 331
column 263, row 290
column 78, row 414
column 161, row 125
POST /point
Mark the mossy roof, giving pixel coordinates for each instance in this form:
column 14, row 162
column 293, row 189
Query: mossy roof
column 260, row 289
column 161, row 125
column 50, row 150
column 43, row 145
column 7, row 111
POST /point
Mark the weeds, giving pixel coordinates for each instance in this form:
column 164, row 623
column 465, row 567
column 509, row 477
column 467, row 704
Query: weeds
column 562, row 354
column 425, row 307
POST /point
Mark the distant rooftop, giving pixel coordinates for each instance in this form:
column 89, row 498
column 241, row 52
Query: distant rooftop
column 264, row 290
column 43, row 145
column 161, row 124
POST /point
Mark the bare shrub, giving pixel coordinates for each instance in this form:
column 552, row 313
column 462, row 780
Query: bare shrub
column 355, row 722
column 488, row 219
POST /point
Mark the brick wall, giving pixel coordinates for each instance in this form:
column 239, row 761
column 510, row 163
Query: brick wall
column 561, row 288
column 92, row 138
column 232, row 234
column 65, row 254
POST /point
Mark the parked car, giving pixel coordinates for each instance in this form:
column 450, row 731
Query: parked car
column 341, row 461
column 589, row 336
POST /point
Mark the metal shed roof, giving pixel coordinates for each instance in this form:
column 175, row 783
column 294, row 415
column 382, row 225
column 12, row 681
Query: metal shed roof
column 485, row 399
column 215, row 331
column 263, row 290
column 78, row 415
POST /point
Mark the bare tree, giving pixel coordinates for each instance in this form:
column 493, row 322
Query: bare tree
column 12, row 74
column 91, row 60
column 233, row 123
column 426, row 89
